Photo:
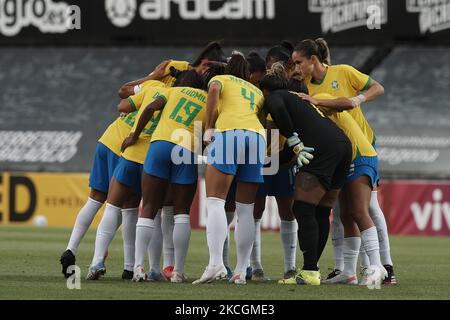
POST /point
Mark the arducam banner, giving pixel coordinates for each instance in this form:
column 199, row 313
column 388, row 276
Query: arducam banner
column 240, row 22
column 420, row 208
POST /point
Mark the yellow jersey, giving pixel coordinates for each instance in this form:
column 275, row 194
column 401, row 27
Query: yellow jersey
column 344, row 81
column 117, row 131
column 183, row 109
column 360, row 145
column 169, row 80
column 140, row 101
column 239, row 105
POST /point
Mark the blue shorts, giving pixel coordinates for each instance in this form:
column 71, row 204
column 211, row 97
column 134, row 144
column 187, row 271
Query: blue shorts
column 129, row 173
column 182, row 169
column 105, row 161
column 364, row 166
column 239, row 153
column 374, row 145
column 281, row 184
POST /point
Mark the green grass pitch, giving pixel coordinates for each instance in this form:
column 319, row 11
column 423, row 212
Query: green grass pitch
column 30, row 269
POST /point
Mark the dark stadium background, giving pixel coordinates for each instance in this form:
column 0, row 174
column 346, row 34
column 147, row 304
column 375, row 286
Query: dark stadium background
column 67, row 80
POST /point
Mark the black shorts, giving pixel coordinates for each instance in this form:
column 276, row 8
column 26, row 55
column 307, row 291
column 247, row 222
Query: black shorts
column 331, row 164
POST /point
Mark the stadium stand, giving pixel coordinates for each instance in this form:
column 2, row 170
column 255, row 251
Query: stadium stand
column 411, row 119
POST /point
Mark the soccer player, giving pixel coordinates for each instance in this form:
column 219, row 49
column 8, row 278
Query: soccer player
column 257, row 68
column 109, row 224
column 170, row 159
column 281, row 52
column 311, row 59
column 254, row 271
column 235, row 151
column 362, row 168
column 106, row 158
column 211, row 54
column 317, row 182
column 126, row 185
column 280, row 185
column 164, row 222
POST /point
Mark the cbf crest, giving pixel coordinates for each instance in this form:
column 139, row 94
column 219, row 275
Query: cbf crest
column 335, row 85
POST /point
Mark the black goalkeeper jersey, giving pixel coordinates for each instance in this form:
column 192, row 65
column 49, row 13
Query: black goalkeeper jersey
column 292, row 114
column 332, row 149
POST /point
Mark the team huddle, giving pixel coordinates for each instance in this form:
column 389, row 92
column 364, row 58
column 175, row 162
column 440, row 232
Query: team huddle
column 227, row 109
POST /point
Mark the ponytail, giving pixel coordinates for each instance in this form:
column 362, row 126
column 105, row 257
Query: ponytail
column 288, row 46
column 318, row 48
column 275, row 79
column 189, row 78
column 323, row 51
column 238, row 66
column 256, row 63
column 173, row 72
column 212, row 51
column 281, row 52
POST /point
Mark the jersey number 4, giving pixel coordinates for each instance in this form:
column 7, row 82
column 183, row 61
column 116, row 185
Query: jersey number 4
column 191, row 110
column 250, row 97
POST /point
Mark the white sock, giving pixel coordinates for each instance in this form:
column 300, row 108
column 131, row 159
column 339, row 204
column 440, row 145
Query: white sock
column 350, row 250
column 380, row 222
column 129, row 220
column 369, row 240
column 288, row 232
column 156, row 245
column 167, row 231
column 106, row 230
column 226, row 245
column 216, row 229
column 363, row 257
column 244, row 235
column 337, row 234
column 255, row 256
column 144, row 232
column 82, row 223
column 181, row 236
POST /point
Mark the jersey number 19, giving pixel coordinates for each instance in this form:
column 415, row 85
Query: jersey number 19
column 191, row 109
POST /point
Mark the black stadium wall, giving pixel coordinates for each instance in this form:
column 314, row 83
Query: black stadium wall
column 59, row 83
column 240, row 22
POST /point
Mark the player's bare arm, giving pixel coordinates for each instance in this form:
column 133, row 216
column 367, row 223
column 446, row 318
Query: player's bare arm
column 147, row 114
column 159, row 73
column 338, row 104
column 125, row 106
column 211, row 110
column 374, row 91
